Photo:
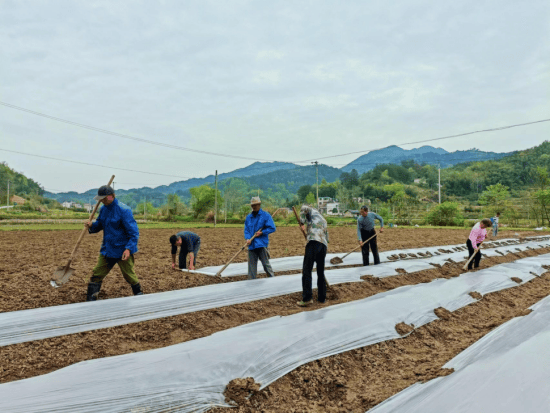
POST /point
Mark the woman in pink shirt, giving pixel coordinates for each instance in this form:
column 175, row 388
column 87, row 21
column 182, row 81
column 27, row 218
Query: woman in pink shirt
column 477, row 235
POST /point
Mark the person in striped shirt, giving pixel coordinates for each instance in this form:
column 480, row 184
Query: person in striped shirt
column 477, row 235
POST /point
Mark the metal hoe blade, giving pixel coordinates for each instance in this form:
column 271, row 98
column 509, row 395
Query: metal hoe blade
column 336, row 260
column 61, row 276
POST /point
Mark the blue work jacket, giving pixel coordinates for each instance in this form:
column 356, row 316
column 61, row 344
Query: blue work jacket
column 120, row 230
column 252, row 224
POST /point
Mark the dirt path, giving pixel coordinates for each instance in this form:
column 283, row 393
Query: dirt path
column 30, row 258
column 40, row 357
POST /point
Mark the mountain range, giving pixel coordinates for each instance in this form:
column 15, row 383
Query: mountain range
column 425, row 154
column 265, row 175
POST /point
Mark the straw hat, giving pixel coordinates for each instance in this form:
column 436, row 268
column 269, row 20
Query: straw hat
column 255, row 200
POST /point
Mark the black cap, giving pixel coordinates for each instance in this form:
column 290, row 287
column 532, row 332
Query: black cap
column 103, row 191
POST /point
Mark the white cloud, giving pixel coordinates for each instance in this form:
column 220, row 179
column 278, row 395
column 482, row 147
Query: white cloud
column 270, row 55
column 269, row 77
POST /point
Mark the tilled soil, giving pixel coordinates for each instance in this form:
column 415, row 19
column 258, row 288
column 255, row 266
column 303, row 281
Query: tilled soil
column 43, row 356
column 30, row 258
column 358, row 380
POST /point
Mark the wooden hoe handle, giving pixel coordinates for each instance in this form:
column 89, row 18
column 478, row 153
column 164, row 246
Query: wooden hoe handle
column 85, row 230
column 298, row 219
column 219, row 273
column 472, row 257
column 359, row 246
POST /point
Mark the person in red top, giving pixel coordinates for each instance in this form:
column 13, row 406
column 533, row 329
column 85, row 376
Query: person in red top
column 477, row 235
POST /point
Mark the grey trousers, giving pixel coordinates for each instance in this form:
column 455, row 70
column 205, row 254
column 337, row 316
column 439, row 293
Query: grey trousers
column 263, row 255
column 495, row 230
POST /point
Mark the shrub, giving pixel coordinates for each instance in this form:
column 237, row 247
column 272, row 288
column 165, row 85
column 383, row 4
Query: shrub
column 385, row 214
column 445, row 214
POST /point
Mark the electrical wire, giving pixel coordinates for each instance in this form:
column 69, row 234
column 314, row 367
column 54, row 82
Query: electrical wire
column 92, row 164
column 255, row 159
column 431, row 140
column 121, row 135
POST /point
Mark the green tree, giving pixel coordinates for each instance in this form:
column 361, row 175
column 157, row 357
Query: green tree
column 445, row 214
column 173, row 207
column 310, row 199
column 495, row 197
column 203, row 198
column 303, row 192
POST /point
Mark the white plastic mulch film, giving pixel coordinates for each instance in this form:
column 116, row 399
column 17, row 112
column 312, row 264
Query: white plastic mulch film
column 507, row 371
column 40, row 323
column 191, row 376
column 355, row 258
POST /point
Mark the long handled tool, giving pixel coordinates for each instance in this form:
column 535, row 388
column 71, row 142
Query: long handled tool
column 62, row 274
column 305, row 236
column 338, row 260
column 219, row 273
column 465, row 268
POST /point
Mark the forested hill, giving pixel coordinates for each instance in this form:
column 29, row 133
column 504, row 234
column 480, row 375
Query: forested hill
column 19, row 184
column 426, row 154
column 284, row 179
column 517, row 171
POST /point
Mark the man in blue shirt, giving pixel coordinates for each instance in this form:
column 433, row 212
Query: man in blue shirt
column 365, row 230
column 120, row 237
column 190, row 243
column 261, row 224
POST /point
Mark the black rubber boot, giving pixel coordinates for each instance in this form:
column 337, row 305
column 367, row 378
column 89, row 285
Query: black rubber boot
column 93, row 291
column 137, row 289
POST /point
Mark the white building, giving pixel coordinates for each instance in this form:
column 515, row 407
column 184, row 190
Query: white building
column 67, row 204
column 331, row 206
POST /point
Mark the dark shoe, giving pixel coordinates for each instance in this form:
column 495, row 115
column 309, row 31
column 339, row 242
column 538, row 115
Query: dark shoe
column 93, row 291
column 136, row 289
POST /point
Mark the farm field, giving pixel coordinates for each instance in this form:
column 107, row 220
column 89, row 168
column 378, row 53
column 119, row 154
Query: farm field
column 352, row 381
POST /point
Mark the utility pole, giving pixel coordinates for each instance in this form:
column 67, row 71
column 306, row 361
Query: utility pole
column 8, row 200
column 439, row 183
column 145, row 209
column 216, row 199
column 317, row 179
column 225, row 210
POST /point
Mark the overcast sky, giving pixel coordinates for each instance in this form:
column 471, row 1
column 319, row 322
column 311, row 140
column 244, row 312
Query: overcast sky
column 267, row 80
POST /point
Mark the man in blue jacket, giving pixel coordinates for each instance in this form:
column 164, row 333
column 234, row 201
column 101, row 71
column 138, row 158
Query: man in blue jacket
column 258, row 223
column 120, row 237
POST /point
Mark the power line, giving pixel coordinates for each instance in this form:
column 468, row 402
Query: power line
column 431, row 140
column 121, row 135
column 92, row 164
column 248, row 158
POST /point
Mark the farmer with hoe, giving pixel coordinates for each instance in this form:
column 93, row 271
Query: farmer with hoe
column 477, row 235
column 190, row 244
column 365, row 230
column 315, row 226
column 120, row 237
column 496, row 224
column 257, row 226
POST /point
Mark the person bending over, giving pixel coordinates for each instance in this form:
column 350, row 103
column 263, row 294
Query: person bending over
column 190, row 244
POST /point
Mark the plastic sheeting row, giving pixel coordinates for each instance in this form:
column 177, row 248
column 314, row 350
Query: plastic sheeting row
column 295, row 263
column 40, row 323
column 507, row 371
column 191, row 376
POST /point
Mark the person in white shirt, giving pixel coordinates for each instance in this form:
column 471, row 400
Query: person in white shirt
column 496, row 224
